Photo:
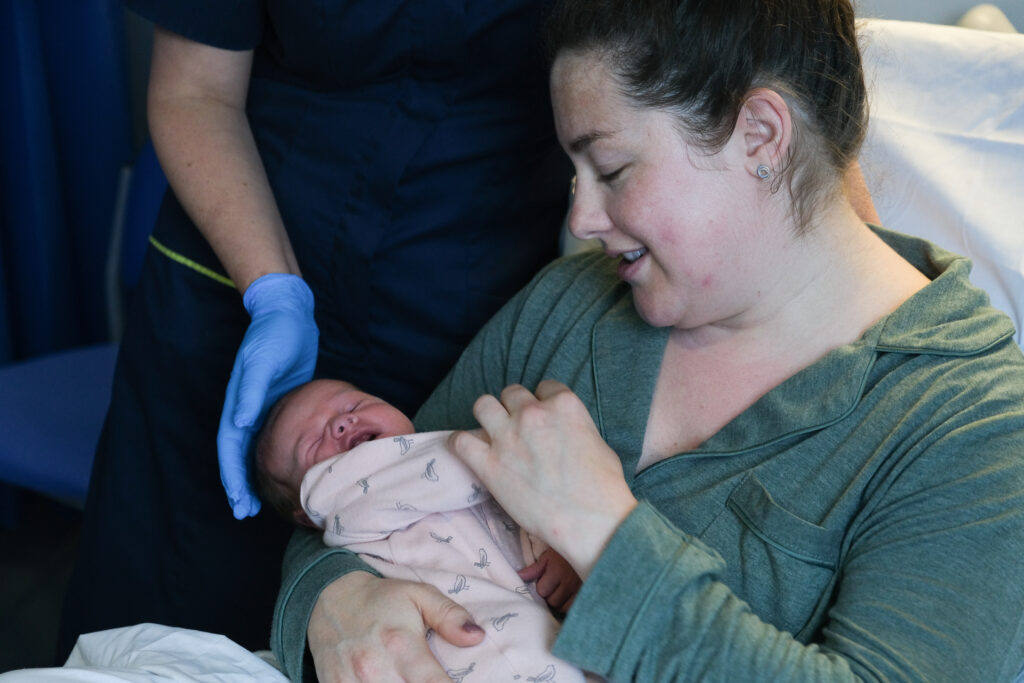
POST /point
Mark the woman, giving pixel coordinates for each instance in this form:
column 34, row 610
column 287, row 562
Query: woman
column 777, row 443
column 331, row 164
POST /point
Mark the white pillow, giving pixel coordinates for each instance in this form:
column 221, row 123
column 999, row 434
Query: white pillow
column 944, row 156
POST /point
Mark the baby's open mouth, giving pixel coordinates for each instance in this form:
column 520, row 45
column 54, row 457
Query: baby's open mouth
column 361, row 437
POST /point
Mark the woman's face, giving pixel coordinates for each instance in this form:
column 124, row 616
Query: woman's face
column 684, row 224
column 322, row 419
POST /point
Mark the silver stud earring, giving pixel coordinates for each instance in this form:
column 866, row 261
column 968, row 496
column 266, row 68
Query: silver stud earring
column 763, row 172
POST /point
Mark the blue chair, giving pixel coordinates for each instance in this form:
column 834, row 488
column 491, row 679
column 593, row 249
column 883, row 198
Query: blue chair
column 52, row 406
column 51, row 411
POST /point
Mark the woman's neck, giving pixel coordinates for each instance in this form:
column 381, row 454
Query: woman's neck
column 834, row 281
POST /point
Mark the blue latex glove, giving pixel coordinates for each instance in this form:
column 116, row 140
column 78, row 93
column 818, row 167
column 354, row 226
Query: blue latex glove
column 277, row 354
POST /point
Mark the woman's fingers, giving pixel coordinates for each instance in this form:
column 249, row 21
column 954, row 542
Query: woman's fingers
column 490, row 413
column 550, row 387
column 449, row 619
column 473, row 449
column 495, row 414
column 516, row 396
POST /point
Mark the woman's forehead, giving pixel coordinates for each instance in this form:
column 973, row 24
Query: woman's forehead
column 586, row 99
column 581, row 75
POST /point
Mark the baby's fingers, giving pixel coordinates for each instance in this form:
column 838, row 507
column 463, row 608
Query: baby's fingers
column 534, row 571
column 562, row 595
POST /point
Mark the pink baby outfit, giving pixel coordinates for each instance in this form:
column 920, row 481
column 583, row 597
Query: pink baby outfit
column 413, row 511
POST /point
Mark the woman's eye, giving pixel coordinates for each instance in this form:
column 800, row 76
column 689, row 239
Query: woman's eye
column 609, row 177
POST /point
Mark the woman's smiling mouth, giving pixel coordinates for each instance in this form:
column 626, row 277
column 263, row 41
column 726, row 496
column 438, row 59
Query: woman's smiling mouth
column 628, row 265
column 631, row 256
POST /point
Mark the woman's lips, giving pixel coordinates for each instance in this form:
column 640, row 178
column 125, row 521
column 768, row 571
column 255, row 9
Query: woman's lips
column 630, row 263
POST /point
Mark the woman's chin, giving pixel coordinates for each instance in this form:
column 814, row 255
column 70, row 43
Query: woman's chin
column 651, row 313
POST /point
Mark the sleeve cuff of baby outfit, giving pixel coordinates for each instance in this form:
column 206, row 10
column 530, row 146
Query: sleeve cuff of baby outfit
column 646, row 564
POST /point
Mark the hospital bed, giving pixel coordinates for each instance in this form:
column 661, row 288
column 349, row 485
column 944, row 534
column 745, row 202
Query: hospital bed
column 944, row 159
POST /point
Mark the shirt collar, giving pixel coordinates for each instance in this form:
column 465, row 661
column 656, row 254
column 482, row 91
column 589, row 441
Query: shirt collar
column 948, row 317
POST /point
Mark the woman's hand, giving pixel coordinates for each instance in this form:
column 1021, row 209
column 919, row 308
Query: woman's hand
column 548, row 466
column 368, row 629
column 197, row 119
column 277, row 354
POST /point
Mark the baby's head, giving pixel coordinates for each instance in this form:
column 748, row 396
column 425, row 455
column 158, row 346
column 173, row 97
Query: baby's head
column 311, row 423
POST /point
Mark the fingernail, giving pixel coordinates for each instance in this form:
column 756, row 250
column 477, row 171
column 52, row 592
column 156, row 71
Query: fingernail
column 471, row 627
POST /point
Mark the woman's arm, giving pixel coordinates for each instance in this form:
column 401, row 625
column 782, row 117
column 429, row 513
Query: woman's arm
column 910, row 603
column 930, row 591
column 197, row 120
column 198, row 123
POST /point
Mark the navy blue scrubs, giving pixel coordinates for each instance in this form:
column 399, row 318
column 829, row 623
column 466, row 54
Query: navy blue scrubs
column 411, row 150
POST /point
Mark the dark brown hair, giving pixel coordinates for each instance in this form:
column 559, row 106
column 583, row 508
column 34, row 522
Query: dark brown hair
column 698, row 59
column 281, row 498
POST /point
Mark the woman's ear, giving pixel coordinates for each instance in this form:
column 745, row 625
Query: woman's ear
column 767, row 128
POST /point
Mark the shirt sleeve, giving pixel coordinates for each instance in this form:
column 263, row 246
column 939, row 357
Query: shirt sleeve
column 227, row 24
column 931, row 588
column 309, row 566
column 929, row 584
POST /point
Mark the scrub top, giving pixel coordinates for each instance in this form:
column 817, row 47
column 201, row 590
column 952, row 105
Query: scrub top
column 411, row 150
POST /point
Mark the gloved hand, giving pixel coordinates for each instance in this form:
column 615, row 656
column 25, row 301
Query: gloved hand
column 277, row 354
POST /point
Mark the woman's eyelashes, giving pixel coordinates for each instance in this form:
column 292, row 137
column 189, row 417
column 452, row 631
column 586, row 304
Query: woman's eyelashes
column 611, row 176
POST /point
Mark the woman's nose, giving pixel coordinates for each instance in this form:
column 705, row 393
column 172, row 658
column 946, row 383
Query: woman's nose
column 587, row 216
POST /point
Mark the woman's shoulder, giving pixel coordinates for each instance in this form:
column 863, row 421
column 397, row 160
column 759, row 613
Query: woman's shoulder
column 571, row 291
column 586, row 276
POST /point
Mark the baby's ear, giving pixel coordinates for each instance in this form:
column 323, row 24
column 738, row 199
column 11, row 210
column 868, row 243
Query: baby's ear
column 300, row 516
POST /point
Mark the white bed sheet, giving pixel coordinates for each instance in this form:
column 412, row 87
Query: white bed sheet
column 149, row 653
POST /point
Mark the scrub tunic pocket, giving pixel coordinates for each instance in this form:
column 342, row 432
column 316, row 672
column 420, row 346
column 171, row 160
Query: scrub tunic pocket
column 781, row 565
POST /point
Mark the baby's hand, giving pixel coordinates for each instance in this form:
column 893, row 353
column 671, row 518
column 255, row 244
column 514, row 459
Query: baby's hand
column 557, row 581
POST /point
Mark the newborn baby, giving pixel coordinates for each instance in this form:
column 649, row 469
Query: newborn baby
column 333, row 457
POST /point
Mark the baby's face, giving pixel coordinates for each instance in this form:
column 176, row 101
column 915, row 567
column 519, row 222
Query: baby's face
column 322, row 419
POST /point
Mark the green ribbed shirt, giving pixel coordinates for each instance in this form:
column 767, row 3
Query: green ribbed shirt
column 864, row 520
